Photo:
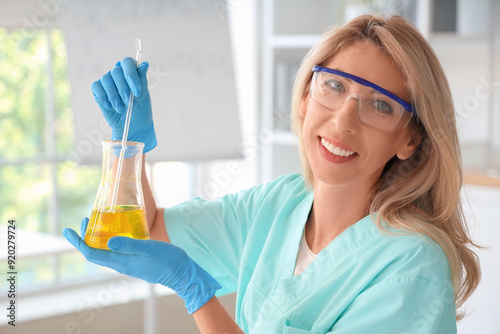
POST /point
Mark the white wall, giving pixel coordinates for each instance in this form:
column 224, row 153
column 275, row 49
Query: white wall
column 484, row 216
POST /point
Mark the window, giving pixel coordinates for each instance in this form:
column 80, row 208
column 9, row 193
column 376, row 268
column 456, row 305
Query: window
column 43, row 188
column 40, row 186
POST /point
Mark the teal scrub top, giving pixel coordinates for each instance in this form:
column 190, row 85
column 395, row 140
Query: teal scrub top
column 364, row 281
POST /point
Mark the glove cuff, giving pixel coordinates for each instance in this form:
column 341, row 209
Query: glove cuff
column 205, row 291
column 200, row 287
column 148, row 138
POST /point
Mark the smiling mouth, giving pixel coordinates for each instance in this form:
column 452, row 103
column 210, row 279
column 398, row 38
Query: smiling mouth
column 335, row 150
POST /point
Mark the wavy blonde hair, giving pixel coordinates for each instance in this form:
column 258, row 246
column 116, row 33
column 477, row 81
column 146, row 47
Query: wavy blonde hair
column 421, row 194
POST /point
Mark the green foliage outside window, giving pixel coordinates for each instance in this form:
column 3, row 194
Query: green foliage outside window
column 40, row 186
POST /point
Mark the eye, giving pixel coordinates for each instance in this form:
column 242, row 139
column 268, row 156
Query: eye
column 334, row 85
column 383, row 107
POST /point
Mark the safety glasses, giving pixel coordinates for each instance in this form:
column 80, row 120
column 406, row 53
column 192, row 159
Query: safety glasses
column 377, row 107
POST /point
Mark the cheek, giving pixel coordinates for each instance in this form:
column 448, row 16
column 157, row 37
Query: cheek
column 306, row 135
column 308, row 126
column 314, row 119
column 309, row 132
column 381, row 148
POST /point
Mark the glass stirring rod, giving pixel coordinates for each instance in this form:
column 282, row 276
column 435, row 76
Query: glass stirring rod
column 138, row 54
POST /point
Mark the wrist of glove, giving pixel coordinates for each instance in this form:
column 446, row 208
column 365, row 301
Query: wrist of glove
column 148, row 138
column 152, row 261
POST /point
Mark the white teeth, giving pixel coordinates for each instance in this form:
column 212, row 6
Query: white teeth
column 335, row 150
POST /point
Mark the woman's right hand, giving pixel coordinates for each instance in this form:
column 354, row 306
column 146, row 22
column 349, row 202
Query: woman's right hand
column 112, row 94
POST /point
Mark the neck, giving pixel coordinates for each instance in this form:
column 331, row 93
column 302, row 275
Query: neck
column 335, row 208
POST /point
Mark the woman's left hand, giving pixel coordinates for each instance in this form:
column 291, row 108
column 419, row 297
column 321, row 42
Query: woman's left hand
column 152, row 261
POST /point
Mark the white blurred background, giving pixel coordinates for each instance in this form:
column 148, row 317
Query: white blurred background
column 45, row 185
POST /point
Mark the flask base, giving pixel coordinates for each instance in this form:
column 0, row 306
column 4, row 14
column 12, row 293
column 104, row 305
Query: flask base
column 126, row 220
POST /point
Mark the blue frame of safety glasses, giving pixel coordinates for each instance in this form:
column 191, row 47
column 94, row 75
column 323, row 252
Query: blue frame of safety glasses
column 408, row 106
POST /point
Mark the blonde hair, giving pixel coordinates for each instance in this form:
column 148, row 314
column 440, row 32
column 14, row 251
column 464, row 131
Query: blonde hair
column 422, row 194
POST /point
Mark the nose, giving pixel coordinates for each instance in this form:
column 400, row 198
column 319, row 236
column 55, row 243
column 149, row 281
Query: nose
column 346, row 118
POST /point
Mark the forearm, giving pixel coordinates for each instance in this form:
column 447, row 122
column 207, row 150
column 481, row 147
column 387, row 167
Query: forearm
column 149, row 199
column 154, row 215
column 213, row 318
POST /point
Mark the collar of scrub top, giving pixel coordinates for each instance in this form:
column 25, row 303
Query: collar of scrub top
column 408, row 106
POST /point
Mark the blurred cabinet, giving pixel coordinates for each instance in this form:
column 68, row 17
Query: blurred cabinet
column 468, row 48
column 289, row 29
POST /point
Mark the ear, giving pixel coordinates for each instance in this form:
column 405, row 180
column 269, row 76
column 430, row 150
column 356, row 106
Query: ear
column 406, row 151
column 303, row 105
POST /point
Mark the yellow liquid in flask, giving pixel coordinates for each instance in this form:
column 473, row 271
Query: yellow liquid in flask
column 126, row 220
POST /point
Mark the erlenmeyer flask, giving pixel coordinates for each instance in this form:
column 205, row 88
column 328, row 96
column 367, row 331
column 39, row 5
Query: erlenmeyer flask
column 128, row 217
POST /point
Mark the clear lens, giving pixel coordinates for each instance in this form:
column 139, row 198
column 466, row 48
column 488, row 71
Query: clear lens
column 374, row 108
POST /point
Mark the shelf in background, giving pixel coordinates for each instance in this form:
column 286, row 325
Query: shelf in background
column 32, row 244
column 482, row 178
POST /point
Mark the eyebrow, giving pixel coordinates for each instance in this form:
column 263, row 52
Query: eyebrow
column 340, row 70
column 373, row 89
column 408, row 106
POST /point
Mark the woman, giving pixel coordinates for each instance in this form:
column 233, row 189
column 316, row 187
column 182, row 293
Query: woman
column 370, row 239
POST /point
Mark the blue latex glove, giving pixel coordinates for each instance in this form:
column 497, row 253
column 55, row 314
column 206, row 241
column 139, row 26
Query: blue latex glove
column 152, row 261
column 112, row 94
